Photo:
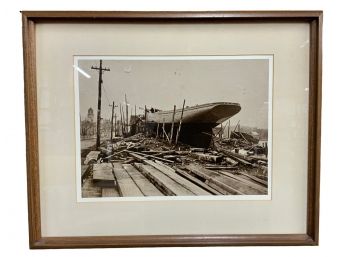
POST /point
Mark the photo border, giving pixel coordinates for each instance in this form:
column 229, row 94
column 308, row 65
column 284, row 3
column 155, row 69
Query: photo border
column 77, row 58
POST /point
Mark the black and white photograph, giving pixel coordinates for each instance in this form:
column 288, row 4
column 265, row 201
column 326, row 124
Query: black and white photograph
column 173, row 126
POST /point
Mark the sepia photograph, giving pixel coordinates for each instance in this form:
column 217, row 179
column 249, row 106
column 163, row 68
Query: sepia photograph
column 173, row 126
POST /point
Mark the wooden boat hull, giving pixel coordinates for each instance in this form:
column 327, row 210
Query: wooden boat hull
column 212, row 113
column 197, row 123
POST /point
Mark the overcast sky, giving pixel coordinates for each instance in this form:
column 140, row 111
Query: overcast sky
column 163, row 83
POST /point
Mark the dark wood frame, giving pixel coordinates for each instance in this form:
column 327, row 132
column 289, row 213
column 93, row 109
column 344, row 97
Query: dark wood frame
column 313, row 18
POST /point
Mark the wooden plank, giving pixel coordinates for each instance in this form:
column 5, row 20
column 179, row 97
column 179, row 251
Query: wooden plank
column 239, row 159
column 91, row 157
column 90, row 190
column 197, row 181
column 231, row 161
column 259, row 158
column 207, row 157
column 145, row 186
column 110, row 192
column 145, row 156
column 85, row 171
column 217, row 188
column 212, row 178
column 261, row 181
column 236, row 185
column 102, row 171
column 102, row 175
column 182, row 181
column 247, row 182
column 220, row 167
column 168, row 185
column 125, row 184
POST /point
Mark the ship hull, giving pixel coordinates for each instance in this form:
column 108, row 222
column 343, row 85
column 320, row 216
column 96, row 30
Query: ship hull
column 197, row 122
column 205, row 113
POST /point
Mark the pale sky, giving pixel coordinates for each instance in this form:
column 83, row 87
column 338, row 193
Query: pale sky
column 163, row 83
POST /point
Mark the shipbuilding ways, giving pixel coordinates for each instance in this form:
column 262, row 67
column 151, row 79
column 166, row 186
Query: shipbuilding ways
column 197, row 121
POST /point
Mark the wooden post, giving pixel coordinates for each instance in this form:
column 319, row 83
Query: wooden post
column 221, row 131
column 126, row 119
column 157, row 130
column 179, row 128
column 124, row 123
column 145, row 126
column 172, row 129
column 228, row 129
column 164, row 131
column 122, row 120
column 236, row 126
column 112, row 120
column 100, row 82
column 135, row 119
column 116, row 127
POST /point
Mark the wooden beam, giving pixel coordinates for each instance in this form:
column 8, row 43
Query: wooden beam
column 90, row 190
column 207, row 157
column 235, row 184
column 179, row 128
column 263, row 182
column 125, row 183
column 102, row 175
column 110, row 192
column 213, row 178
column 141, row 156
column 196, row 181
column 145, row 186
column 168, row 185
column 168, row 171
column 247, row 182
column 172, row 128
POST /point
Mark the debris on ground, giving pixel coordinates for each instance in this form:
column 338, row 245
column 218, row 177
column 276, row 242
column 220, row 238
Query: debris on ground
column 147, row 166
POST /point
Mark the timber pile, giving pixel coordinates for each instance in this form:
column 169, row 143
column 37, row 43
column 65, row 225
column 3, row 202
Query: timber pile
column 140, row 166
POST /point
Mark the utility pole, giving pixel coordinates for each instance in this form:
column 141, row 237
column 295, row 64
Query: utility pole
column 121, row 115
column 100, row 81
column 145, row 126
column 136, row 120
column 125, row 99
column 116, row 127
column 112, row 120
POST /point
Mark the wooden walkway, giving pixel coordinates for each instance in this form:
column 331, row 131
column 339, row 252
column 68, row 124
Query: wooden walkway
column 155, row 178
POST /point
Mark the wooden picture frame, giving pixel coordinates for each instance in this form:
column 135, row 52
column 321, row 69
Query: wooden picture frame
column 37, row 241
